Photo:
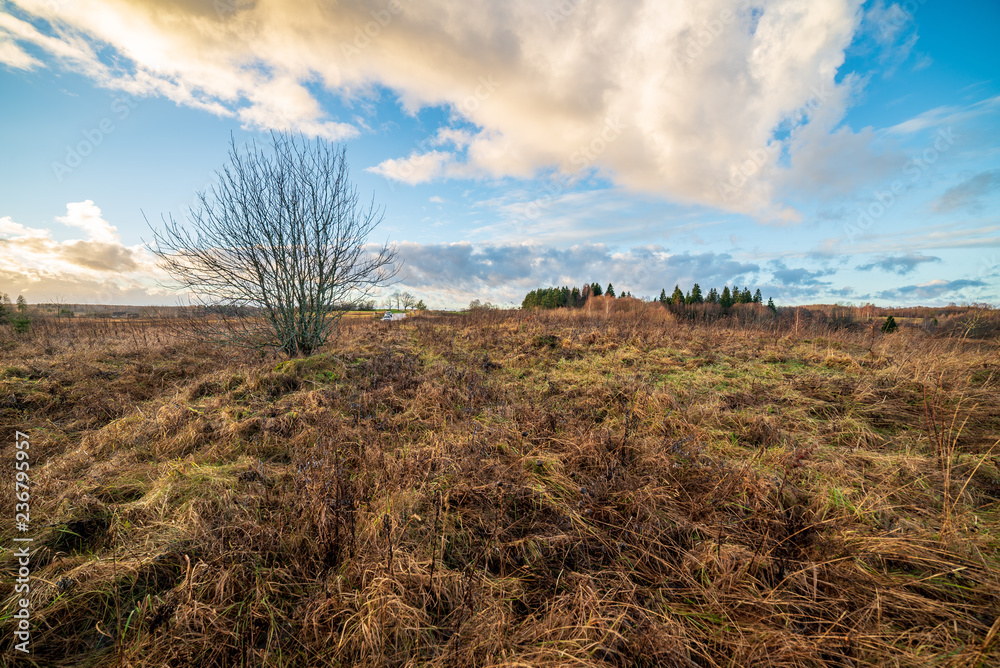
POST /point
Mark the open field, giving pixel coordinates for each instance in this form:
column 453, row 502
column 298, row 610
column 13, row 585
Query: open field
column 508, row 489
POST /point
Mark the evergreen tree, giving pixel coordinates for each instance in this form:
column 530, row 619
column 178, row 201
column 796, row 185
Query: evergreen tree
column 22, row 303
column 713, row 296
column 757, row 298
column 726, row 299
column 421, row 306
column 770, row 305
column 610, row 292
column 889, row 326
column 696, row 296
column 596, row 289
column 575, row 297
column 663, row 296
column 678, row 297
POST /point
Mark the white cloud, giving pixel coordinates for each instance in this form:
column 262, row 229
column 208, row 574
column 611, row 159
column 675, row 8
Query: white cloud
column 417, row 168
column 945, row 116
column 14, row 56
column 894, row 30
column 87, row 217
column 98, row 266
column 692, row 90
column 192, row 55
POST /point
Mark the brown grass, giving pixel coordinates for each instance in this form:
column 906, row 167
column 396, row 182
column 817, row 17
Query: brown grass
column 608, row 486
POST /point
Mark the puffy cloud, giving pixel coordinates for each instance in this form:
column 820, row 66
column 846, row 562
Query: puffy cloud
column 898, row 264
column 98, row 267
column 417, row 168
column 454, row 274
column 798, row 276
column 195, row 54
column 935, row 289
column 693, row 100
column 87, row 217
column 101, row 257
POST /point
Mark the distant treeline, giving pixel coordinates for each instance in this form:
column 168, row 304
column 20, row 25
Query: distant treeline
column 577, row 297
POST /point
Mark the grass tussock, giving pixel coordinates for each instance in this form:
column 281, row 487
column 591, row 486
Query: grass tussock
column 610, row 486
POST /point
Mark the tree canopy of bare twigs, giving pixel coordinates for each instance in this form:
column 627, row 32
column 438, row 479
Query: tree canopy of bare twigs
column 278, row 247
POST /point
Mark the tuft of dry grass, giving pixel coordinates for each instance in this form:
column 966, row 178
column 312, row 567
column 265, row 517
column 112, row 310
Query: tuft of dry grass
column 609, row 486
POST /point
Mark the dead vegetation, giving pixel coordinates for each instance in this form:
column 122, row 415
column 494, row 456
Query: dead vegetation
column 510, row 489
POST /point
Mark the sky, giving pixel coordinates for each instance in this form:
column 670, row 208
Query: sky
column 825, row 152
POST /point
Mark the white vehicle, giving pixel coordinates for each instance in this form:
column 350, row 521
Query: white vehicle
column 387, row 316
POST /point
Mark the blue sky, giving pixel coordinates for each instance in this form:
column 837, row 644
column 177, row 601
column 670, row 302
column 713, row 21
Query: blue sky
column 825, row 152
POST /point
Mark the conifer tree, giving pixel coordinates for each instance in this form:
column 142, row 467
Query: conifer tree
column 757, row 298
column 770, row 305
column 713, row 296
column 726, row 299
column 696, row 296
column 610, row 292
column 596, row 289
column 678, row 297
column 663, row 296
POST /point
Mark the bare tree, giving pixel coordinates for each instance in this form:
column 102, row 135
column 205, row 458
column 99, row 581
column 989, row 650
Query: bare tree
column 408, row 300
column 278, row 248
column 395, row 298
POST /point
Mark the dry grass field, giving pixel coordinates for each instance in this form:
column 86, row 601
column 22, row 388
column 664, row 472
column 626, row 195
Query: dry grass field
column 508, row 489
